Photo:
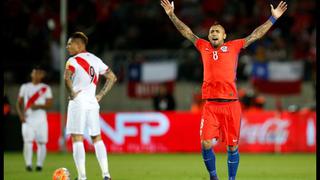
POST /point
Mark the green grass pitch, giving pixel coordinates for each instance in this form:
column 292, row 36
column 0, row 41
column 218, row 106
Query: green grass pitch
column 170, row 167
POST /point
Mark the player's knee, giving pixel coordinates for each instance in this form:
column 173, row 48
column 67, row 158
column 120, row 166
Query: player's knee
column 206, row 144
column 96, row 138
column 232, row 148
column 41, row 143
column 76, row 137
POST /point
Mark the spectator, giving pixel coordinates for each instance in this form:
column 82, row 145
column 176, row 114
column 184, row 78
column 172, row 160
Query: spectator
column 32, row 25
column 197, row 103
column 6, row 106
column 164, row 101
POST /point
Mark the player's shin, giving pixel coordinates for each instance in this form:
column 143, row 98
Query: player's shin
column 27, row 153
column 210, row 161
column 101, row 154
column 233, row 163
column 79, row 159
column 41, row 154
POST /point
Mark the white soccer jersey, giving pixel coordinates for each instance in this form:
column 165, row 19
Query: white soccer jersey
column 86, row 68
column 35, row 94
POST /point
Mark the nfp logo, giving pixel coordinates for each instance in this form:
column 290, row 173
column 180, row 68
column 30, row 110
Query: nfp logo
column 123, row 128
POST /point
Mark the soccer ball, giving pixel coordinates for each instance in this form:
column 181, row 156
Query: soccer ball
column 61, row 174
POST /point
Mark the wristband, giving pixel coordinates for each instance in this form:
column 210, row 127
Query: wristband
column 272, row 19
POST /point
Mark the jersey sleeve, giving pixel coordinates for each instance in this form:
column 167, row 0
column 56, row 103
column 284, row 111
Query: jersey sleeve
column 48, row 94
column 238, row 44
column 200, row 44
column 102, row 67
column 22, row 91
column 70, row 65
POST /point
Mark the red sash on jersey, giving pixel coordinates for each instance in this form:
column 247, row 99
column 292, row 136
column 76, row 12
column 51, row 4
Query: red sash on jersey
column 34, row 97
column 86, row 66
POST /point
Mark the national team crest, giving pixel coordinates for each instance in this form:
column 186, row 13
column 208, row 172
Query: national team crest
column 224, row 48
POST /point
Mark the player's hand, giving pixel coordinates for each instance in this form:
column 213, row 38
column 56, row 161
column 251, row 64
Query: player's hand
column 35, row 107
column 282, row 7
column 99, row 97
column 74, row 95
column 22, row 119
column 167, row 6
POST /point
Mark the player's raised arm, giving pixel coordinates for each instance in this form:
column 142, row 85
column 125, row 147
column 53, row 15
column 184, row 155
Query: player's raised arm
column 261, row 30
column 183, row 29
column 110, row 80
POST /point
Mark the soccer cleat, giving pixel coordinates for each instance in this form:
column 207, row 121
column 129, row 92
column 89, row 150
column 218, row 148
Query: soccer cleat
column 29, row 168
column 106, row 178
column 38, row 168
column 214, row 178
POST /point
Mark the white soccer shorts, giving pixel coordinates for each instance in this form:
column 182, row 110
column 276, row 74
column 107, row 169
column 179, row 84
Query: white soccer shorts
column 35, row 129
column 80, row 118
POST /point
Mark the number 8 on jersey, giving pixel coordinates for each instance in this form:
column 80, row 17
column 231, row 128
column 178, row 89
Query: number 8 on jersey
column 215, row 55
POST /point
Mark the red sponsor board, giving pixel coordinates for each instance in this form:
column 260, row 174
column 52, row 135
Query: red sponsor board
column 159, row 132
column 278, row 88
column 147, row 90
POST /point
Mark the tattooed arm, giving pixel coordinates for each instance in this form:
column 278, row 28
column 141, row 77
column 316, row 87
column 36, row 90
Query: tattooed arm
column 110, row 80
column 263, row 29
column 182, row 28
column 258, row 33
column 68, row 82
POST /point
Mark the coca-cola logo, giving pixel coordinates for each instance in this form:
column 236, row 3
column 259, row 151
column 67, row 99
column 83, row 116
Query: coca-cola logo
column 271, row 131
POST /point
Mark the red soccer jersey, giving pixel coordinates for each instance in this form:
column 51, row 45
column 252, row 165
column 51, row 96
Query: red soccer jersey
column 220, row 67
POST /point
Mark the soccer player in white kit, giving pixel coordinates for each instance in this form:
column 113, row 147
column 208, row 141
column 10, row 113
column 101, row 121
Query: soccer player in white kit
column 81, row 78
column 33, row 100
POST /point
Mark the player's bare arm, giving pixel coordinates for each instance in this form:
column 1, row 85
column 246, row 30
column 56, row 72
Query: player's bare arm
column 20, row 111
column 110, row 80
column 68, row 82
column 182, row 28
column 263, row 29
column 45, row 106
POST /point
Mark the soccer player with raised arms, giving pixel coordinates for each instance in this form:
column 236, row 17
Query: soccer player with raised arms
column 222, row 112
column 81, row 78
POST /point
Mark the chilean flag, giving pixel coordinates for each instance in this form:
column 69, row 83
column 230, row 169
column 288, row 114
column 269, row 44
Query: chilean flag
column 153, row 72
column 277, row 78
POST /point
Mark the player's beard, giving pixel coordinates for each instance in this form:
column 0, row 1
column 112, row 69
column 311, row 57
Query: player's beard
column 216, row 43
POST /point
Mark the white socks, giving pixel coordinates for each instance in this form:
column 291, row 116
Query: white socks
column 101, row 154
column 41, row 153
column 79, row 159
column 27, row 153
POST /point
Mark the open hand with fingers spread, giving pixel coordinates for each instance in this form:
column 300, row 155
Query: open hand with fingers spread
column 167, row 6
column 281, row 8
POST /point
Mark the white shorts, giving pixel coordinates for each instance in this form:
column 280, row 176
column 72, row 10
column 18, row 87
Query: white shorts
column 80, row 118
column 35, row 129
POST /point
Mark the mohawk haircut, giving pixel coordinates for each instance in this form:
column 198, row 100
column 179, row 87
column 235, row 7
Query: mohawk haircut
column 81, row 36
column 217, row 23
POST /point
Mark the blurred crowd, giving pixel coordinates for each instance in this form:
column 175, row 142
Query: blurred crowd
column 31, row 29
